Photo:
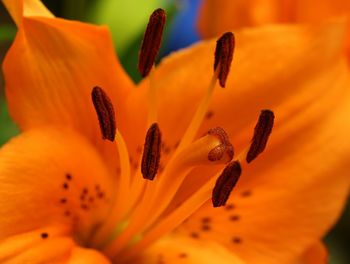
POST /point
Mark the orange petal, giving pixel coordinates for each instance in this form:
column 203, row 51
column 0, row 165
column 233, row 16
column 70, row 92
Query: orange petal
column 216, row 17
column 26, row 8
column 292, row 195
column 51, row 251
column 316, row 254
column 304, row 11
column 32, row 247
column 179, row 249
column 50, row 176
column 15, row 245
column 61, row 61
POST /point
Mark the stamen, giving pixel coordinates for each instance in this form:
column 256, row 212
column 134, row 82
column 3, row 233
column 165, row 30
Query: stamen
column 151, row 153
column 262, row 132
column 122, row 191
column 223, row 56
column 170, row 221
column 105, row 113
column 151, row 41
column 225, row 183
column 156, row 201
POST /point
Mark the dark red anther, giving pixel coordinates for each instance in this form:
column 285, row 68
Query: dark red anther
column 151, row 152
column 151, row 41
column 105, row 113
column 225, row 183
column 223, row 56
column 262, row 132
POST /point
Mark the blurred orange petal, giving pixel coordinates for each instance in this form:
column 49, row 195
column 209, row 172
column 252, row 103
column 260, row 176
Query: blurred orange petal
column 42, row 176
column 181, row 249
column 61, row 61
column 316, row 254
column 28, row 8
column 217, row 17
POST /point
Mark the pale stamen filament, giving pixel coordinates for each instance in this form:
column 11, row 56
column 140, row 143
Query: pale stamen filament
column 169, row 222
column 194, row 155
column 172, row 220
column 122, row 191
column 152, row 98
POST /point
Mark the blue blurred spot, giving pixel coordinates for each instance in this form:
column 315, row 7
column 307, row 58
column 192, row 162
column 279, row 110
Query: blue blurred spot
column 183, row 31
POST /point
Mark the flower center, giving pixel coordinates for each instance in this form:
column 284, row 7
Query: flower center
column 145, row 206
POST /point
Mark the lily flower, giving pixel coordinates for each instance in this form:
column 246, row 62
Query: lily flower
column 107, row 171
column 216, row 17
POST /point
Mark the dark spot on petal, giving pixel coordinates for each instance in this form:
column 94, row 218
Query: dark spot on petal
column 67, row 213
column 234, row 218
column 69, row 177
column 183, row 255
column 206, row 228
column 230, row 207
column 206, row 220
column 84, row 207
column 246, row 193
column 236, row 240
column 195, row 235
column 65, row 186
column 166, row 149
column 85, row 191
column 44, row 235
column 209, row 114
column 63, row 200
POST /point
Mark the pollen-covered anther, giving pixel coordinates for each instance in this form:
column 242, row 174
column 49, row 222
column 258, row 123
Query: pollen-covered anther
column 151, row 41
column 223, row 151
column 225, row 46
column 151, row 152
column 225, row 183
column 105, row 113
column 261, row 135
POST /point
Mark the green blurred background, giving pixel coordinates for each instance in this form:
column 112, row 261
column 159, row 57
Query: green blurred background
column 126, row 20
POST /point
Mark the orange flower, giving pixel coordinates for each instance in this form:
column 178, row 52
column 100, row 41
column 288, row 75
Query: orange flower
column 219, row 16
column 67, row 196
